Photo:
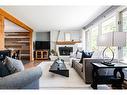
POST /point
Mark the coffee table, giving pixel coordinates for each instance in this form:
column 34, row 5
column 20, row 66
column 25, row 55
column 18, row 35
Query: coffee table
column 59, row 67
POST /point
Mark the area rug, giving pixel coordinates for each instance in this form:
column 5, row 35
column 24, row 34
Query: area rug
column 51, row 80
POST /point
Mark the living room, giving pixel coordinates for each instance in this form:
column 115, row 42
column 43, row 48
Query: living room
column 37, row 49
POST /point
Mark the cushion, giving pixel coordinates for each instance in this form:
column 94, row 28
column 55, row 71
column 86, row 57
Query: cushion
column 79, row 55
column 79, row 66
column 4, row 53
column 72, row 55
column 13, row 65
column 85, row 55
column 3, row 70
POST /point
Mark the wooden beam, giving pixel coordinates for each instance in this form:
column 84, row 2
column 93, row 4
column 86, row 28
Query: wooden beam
column 67, row 42
column 31, row 46
column 8, row 16
column 11, row 18
column 1, row 32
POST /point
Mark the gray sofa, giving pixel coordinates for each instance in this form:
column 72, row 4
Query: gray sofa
column 85, row 69
column 27, row 79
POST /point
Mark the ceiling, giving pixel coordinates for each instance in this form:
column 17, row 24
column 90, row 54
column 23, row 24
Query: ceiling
column 47, row 18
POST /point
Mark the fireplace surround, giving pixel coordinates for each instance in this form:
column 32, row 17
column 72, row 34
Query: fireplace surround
column 65, row 50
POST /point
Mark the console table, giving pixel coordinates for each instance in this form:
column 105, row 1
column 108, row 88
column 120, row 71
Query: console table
column 114, row 79
column 41, row 54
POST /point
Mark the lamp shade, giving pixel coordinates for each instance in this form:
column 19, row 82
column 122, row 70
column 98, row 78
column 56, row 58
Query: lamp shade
column 112, row 39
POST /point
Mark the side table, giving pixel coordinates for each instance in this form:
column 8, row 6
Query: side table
column 114, row 79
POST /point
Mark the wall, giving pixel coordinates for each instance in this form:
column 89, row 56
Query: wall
column 34, row 36
column 42, row 36
column 53, row 38
column 75, row 35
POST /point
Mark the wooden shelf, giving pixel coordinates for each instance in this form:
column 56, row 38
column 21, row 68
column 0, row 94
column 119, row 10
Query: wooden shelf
column 13, row 44
column 22, row 49
column 13, row 37
column 19, row 41
column 67, row 42
column 24, row 54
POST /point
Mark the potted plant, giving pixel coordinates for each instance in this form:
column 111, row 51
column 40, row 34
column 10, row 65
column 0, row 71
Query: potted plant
column 53, row 54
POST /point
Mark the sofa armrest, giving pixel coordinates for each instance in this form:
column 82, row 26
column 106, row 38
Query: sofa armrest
column 87, row 67
column 21, row 79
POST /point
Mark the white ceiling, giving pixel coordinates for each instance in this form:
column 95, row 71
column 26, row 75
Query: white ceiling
column 46, row 18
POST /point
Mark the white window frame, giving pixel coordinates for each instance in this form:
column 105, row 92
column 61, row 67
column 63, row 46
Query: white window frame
column 121, row 51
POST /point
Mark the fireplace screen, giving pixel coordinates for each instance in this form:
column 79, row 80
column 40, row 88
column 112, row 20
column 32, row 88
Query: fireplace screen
column 65, row 50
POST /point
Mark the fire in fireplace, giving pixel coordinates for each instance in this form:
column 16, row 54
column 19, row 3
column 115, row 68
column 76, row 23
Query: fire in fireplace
column 65, row 50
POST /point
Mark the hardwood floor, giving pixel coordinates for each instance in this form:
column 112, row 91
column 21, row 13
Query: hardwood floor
column 32, row 64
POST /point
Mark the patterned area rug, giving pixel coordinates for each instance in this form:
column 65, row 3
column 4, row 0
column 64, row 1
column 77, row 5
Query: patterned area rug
column 51, row 80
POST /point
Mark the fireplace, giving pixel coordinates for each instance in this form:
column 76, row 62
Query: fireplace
column 65, row 51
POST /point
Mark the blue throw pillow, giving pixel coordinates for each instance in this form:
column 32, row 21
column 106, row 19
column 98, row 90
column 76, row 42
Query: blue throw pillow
column 85, row 55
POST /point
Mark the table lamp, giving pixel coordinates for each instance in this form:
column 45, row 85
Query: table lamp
column 110, row 39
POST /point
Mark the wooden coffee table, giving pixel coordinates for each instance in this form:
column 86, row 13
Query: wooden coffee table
column 59, row 67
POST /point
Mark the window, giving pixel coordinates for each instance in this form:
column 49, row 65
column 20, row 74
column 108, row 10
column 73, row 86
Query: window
column 92, row 38
column 94, row 34
column 88, row 41
column 84, row 38
column 124, row 29
column 124, row 21
column 109, row 25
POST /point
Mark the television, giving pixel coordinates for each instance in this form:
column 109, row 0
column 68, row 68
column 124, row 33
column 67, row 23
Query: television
column 40, row 45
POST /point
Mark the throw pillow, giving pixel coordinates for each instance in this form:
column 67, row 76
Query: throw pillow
column 72, row 55
column 3, row 70
column 79, row 55
column 18, row 65
column 86, row 55
column 14, row 65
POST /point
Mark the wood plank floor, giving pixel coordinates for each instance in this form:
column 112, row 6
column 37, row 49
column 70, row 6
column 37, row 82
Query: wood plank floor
column 32, row 64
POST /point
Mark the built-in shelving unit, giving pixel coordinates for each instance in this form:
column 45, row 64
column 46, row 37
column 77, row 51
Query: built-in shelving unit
column 19, row 41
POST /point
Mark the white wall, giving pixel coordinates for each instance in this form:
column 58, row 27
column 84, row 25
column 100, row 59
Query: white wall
column 75, row 35
column 53, row 38
column 34, row 36
column 42, row 36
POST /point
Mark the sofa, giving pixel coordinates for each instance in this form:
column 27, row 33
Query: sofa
column 19, row 79
column 85, row 69
column 27, row 79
